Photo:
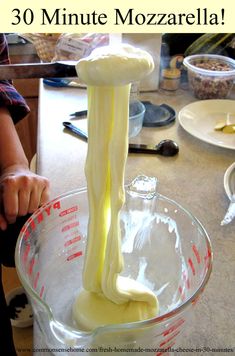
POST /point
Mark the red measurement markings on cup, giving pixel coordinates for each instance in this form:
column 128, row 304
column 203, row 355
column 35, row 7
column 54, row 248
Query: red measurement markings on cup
column 38, row 217
column 74, row 255
column 72, row 241
column 195, row 300
column 70, row 234
column 192, row 266
column 165, row 353
column 72, row 238
column 42, row 291
column 171, row 338
column 173, row 327
column 181, row 292
column 31, row 265
column 207, row 259
column 170, row 335
column 26, row 254
column 69, row 211
column 70, row 226
column 35, row 283
column 196, row 253
column 25, row 232
column 186, row 279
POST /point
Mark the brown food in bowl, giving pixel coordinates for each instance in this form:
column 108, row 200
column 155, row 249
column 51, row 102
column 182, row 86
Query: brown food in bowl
column 213, row 65
column 210, row 76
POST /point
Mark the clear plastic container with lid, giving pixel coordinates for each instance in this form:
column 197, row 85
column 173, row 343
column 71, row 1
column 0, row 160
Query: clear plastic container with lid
column 210, row 76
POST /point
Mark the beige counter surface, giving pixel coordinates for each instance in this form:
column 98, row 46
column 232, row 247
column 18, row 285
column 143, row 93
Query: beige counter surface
column 194, row 178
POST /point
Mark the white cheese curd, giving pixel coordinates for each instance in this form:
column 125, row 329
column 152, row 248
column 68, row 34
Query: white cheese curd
column 117, row 65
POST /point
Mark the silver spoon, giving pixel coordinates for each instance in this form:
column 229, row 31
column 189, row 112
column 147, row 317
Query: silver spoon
column 163, row 148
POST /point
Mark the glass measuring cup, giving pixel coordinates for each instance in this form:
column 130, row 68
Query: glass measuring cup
column 163, row 245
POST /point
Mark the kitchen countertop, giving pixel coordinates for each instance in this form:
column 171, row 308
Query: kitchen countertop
column 193, row 178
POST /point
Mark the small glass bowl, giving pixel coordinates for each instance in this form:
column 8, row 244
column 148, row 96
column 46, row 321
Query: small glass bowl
column 210, row 76
column 136, row 117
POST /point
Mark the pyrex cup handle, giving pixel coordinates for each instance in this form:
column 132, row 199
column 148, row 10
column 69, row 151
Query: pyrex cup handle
column 143, row 186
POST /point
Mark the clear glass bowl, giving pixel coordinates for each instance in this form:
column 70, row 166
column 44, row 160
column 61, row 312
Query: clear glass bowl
column 164, row 247
column 136, row 117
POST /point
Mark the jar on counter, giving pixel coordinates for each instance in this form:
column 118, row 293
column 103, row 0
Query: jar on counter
column 135, row 92
column 170, row 79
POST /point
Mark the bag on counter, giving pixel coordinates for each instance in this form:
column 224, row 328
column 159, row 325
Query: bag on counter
column 44, row 43
column 76, row 46
column 65, row 46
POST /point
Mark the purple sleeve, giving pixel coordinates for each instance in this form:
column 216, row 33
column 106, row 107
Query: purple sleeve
column 9, row 97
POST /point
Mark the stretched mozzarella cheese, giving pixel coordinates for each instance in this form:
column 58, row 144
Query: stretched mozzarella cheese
column 109, row 298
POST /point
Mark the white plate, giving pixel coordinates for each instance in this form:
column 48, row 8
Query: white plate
column 199, row 119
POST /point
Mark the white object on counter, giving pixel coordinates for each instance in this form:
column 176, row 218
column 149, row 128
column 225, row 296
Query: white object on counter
column 230, row 214
column 150, row 42
column 229, row 186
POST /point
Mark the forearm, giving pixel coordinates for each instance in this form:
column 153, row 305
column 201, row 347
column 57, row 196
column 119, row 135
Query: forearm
column 11, row 151
column 21, row 191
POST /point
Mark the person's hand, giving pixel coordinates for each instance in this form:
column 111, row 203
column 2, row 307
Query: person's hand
column 21, row 193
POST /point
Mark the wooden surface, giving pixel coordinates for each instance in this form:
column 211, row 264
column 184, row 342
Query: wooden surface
column 29, row 89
